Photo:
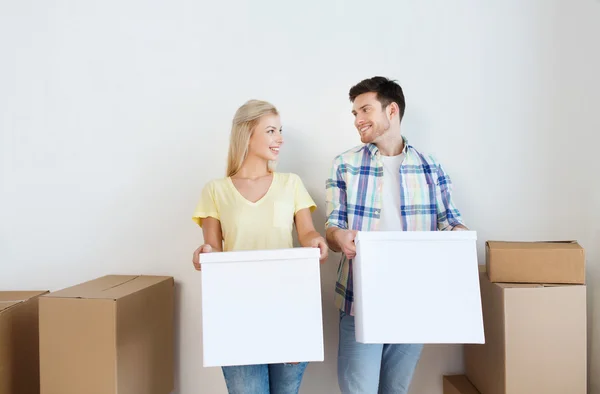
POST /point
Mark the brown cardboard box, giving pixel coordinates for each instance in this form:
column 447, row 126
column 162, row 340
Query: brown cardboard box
column 19, row 347
column 458, row 384
column 535, row 262
column 112, row 335
column 535, row 340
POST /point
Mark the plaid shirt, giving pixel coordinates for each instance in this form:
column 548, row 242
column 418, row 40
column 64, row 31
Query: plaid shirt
column 353, row 200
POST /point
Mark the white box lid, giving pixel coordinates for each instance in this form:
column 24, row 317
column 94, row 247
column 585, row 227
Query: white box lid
column 373, row 236
column 259, row 255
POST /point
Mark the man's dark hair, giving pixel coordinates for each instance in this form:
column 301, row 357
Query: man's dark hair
column 388, row 92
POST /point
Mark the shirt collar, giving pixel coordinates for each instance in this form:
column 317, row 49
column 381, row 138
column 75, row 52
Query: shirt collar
column 374, row 150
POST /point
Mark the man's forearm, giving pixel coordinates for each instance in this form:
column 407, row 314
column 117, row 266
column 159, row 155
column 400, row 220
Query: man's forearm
column 331, row 241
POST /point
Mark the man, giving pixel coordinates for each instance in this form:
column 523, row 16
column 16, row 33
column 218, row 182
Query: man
column 383, row 185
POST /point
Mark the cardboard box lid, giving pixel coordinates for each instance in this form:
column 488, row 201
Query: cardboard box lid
column 109, row 287
column 260, row 255
column 8, row 299
column 537, row 245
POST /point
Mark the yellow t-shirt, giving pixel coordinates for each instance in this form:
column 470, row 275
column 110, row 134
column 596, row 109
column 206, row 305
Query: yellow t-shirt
column 265, row 224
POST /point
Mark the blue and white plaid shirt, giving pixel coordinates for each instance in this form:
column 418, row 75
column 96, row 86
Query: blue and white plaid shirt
column 353, row 200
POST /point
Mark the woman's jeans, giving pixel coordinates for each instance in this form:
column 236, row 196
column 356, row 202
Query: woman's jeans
column 264, row 378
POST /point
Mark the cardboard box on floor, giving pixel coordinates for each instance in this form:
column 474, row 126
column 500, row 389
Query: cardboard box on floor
column 19, row 346
column 111, row 335
column 458, row 384
column 535, row 262
column 535, row 339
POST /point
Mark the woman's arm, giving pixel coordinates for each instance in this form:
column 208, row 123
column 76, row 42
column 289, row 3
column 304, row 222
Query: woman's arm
column 307, row 235
column 213, row 239
column 211, row 229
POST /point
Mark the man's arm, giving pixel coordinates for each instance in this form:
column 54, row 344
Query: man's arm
column 331, row 241
column 449, row 217
column 335, row 206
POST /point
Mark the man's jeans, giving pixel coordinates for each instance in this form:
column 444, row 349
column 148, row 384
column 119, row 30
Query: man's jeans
column 373, row 368
column 264, row 379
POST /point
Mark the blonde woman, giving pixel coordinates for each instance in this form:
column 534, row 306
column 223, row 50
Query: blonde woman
column 254, row 207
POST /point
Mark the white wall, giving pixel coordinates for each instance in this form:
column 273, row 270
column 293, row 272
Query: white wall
column 114, row 114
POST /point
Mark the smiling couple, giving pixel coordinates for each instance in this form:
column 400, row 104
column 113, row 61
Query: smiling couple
column 384, row 184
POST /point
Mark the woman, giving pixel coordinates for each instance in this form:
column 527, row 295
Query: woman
column 256, row 208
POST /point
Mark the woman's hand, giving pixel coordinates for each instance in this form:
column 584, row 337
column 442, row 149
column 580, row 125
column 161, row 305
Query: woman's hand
column 319, row 242
column 196, row 259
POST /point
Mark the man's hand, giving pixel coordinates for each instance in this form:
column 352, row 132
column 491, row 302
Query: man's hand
column 459, row 227
column 196, row 259
column 319, row 242
column 345, row 240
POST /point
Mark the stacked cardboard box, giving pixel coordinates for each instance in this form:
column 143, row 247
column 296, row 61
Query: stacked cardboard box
column 19, row 349
column 534, row 310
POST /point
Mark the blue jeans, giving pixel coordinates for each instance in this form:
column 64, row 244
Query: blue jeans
column 374, row 368
column 264, row 378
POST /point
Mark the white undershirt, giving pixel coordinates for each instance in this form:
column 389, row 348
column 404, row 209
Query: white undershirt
column 390, row 194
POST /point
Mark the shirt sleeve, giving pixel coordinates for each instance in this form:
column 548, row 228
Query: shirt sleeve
column 302, row 198
column 448, row 215
column 335, row 198
column 207, row 206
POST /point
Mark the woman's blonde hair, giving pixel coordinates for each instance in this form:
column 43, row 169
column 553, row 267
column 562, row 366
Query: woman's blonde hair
column 244, row 122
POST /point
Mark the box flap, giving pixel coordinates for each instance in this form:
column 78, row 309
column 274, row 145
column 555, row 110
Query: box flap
column 523, row 245
column 518, row 285
column 260, row 255
column 458, row 384
column 110, row 287
column 8, row 299
column 533, row 285
column 374, row 236
column 4, row 305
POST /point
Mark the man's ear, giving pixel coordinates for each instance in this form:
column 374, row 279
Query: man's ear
column 393, row 110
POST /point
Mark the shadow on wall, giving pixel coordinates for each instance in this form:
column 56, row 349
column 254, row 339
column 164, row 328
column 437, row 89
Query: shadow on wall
column 299, row 159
